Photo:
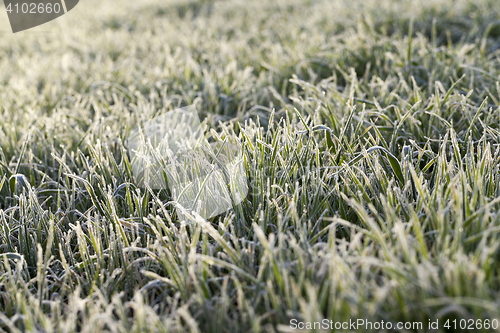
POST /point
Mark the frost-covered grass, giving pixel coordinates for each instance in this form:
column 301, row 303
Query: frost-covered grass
column 371, row 136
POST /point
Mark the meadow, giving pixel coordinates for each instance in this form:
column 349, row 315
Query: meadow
column 371, row 140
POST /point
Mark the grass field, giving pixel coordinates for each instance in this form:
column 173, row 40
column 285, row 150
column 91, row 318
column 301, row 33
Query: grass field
column 371, row 140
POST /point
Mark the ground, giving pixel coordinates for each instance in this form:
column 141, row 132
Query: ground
column 370, row 132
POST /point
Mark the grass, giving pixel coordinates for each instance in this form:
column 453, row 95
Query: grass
column 370, row 133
